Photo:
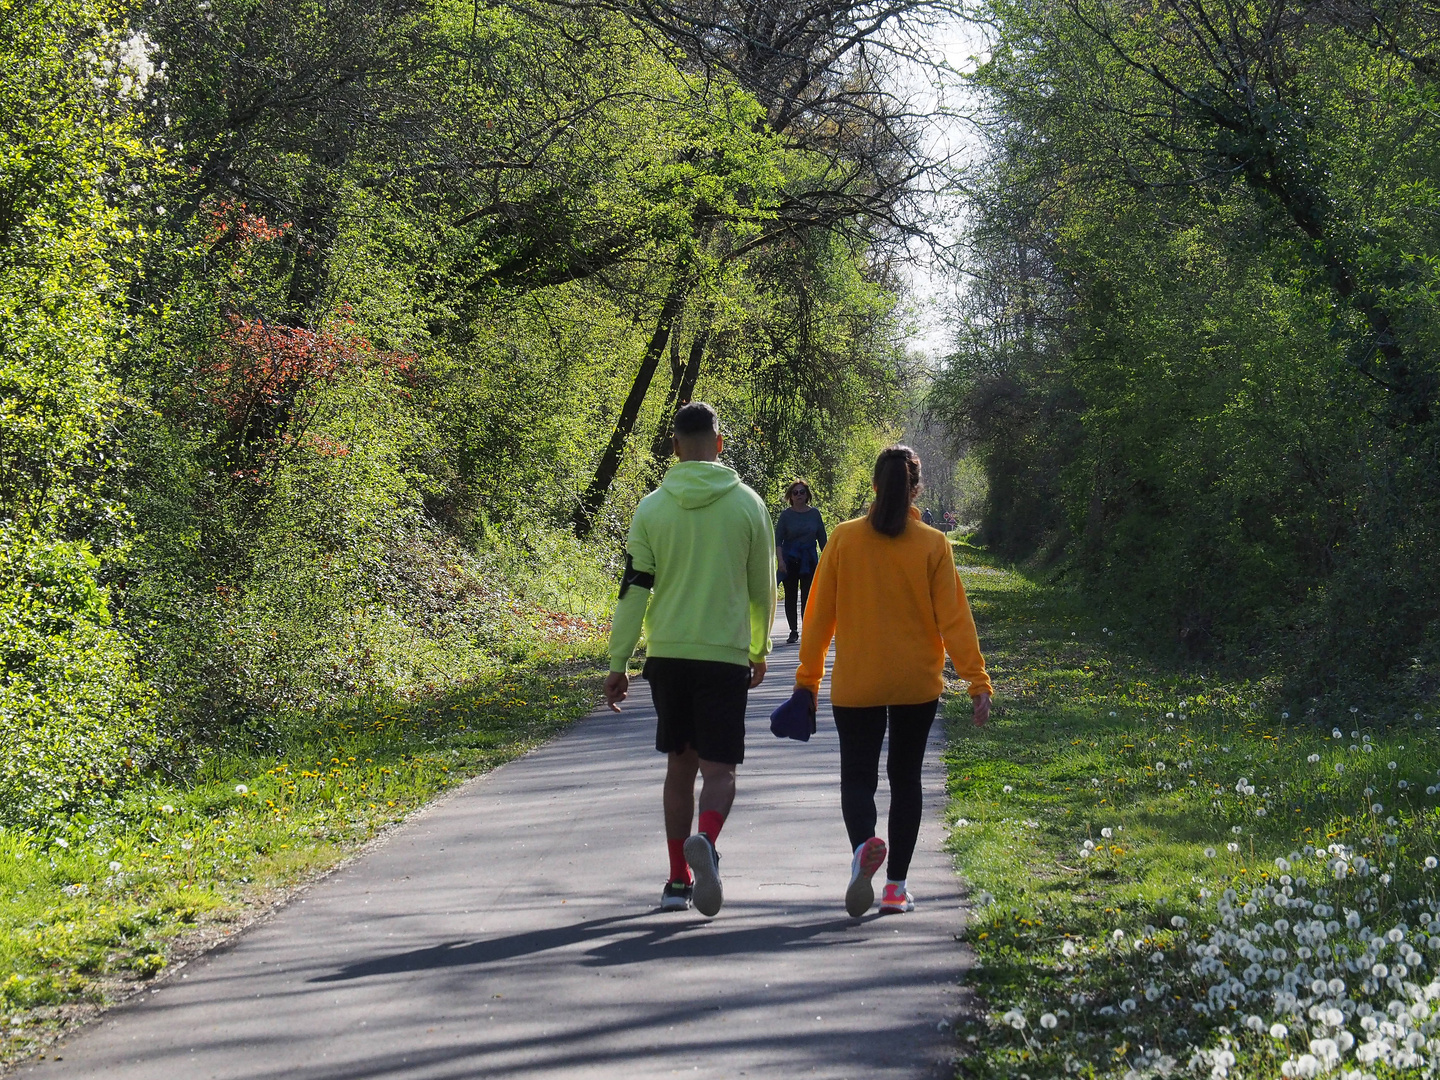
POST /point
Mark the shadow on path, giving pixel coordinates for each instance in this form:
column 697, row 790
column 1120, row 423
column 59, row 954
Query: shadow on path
column 678, row 939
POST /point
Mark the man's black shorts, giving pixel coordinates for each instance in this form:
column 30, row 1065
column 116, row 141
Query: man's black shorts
column 699, row 703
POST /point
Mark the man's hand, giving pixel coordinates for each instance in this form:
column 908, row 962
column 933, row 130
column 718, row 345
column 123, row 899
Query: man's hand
column 617, row 685
column 757, row 673
column 982, row 709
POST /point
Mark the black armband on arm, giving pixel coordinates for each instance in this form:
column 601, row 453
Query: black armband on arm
column 631, row 576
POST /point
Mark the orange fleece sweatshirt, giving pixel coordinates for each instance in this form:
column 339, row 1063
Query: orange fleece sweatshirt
column 894, row 606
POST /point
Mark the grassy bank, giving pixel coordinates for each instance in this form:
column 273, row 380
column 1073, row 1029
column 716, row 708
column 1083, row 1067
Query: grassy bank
column 1173, row 876
column 102, row 902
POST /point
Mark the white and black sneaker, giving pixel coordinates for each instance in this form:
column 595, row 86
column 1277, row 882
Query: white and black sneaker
column 707, row 892
column 676, row 896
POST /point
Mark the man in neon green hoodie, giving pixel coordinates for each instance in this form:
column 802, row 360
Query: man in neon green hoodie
column 700, row 577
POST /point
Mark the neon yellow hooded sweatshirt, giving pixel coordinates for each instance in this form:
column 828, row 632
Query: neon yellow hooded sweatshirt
column 706, row 540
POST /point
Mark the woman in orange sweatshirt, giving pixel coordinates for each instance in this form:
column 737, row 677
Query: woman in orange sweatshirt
column 887, row 592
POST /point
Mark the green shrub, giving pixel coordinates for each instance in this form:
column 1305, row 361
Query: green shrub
column 75, row 718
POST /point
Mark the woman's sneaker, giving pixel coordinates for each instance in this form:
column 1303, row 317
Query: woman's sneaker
column 675, row 896
column 895, row 899
column 704, row 861
column 861, row 894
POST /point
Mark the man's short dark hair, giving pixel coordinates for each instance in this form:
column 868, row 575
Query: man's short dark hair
column 694, row 419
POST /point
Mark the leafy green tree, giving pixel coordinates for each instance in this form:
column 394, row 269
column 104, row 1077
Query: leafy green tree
column 1198, row 355
column 74, row 717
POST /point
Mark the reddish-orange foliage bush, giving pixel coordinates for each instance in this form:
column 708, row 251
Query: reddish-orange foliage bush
column 260, row 371
column 237, row 222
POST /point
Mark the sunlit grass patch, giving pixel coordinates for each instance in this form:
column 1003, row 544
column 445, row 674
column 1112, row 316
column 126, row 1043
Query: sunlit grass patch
column 1120, row 826
column 100, row 900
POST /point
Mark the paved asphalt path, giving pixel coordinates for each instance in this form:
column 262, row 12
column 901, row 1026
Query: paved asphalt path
column 512, row 930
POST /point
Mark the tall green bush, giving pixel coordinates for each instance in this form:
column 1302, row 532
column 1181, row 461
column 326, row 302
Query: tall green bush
column 75, row 718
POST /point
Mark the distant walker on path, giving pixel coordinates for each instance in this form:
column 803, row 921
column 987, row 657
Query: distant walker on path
column 797, row 531
column 700, row 577
column 888, row 593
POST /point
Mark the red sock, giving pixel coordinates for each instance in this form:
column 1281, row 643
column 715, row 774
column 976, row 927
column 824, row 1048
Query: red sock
column 679, row 868
column 710, row 822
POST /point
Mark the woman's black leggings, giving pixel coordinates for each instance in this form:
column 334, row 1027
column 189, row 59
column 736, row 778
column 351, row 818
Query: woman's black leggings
column 861, row 733
column 796, row 583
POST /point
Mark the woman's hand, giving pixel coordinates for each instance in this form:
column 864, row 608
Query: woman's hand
column 982, row 709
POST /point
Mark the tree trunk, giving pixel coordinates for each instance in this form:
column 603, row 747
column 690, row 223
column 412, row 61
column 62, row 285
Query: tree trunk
column 594, row 497
column 682, row 388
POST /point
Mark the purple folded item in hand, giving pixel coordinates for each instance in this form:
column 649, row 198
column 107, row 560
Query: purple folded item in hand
column 796, row 718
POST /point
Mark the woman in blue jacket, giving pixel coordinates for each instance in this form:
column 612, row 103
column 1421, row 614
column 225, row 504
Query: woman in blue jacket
column 797, row 532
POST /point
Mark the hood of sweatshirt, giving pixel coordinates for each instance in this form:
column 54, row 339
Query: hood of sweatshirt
column 694, row 484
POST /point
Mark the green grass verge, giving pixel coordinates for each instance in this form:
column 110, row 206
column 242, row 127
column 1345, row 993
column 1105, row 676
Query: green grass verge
column 102, row 902
column 1173, row 877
